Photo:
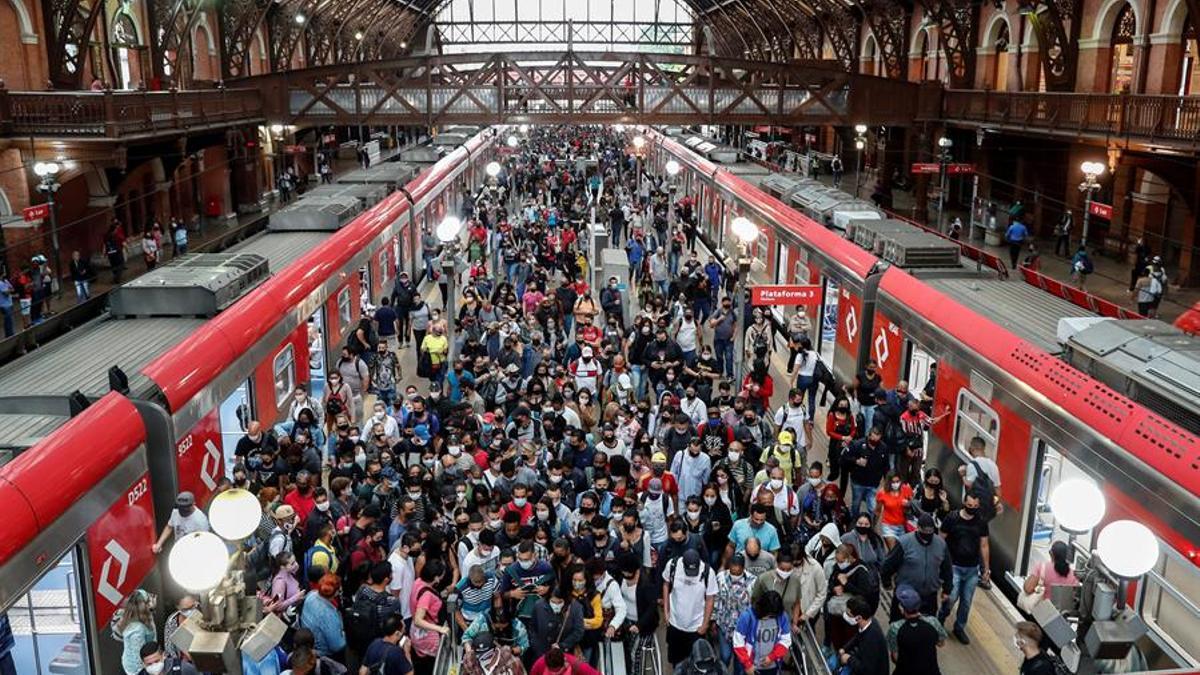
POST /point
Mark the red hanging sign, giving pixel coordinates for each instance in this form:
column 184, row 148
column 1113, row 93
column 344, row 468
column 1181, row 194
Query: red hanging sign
column 1100, row 210
column 790, row 294
column 926, row 167
column 960, row 169
column 32, row 214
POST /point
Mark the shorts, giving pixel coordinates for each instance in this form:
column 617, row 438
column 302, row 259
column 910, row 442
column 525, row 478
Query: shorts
column 891, row 531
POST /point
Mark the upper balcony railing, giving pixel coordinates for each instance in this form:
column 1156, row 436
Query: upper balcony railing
column 124, row 114
column 1144, row 118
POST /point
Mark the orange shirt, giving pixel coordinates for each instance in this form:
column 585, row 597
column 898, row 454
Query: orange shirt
column 893, row 504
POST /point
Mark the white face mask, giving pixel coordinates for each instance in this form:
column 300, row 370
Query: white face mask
column 155, row 668
column 693, row 515
column 323, row 506
column 519, row 501
column 734, row 455
column 776, row 484
column 849, row 619
column 710, row 500
column 783, row 574
column 455, row 450
column 814, row 481
column 895, row 486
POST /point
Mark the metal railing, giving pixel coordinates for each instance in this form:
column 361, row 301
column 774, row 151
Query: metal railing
column 1141, row 116
column 117, row 114
column 807, row 658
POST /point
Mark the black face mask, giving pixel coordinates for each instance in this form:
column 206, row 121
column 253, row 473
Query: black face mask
column 971, row 510
column 862, row 529
column 629, row 528
column 925, row 538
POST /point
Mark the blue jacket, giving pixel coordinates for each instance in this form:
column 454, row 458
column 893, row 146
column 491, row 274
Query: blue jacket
column 323, row 619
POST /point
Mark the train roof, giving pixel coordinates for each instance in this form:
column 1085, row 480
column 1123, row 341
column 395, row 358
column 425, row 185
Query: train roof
column 281, row 248
column 1023, row 310
column 19, row 431
column 80, row 360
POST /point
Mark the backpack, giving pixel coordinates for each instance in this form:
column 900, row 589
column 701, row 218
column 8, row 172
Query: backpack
column 675, row 565
column 335, row 405
column 985, row 490
column 1086, row 266
column 260, row 555
column 363, row 623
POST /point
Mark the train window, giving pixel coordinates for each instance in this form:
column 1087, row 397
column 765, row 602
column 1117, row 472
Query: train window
column 1044, row 529
column 975, row 418
column 45, row 623
column 285, row 374
column 1171, row 602
column 343, row 300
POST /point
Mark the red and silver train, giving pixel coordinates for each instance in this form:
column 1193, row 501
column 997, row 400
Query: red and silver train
column 83, row 504
column 997, row 372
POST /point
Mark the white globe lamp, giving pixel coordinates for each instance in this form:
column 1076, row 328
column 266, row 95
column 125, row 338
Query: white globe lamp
column 1077, row 505
column 493, row 169
column 512, row 141
column 672, row 167
column 198, row 561
column 744, row 230
column 448, row 229
column 1127, row 548
column 234, row 514
column 639, row 142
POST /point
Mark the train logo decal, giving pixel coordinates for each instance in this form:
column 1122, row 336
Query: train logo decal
column 881, row 348
column 851, row 323
column 109, row 590
column 210, row 466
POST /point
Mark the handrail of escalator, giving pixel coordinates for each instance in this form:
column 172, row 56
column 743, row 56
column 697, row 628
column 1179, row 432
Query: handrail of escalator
column 806, row 651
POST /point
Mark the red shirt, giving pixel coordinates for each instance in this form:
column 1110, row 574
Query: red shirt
column 670, row 485
column 303, row 504
column 591, row 335
column 573, row 667
column 526, row 512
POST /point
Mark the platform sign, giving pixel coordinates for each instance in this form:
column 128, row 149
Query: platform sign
column 199, row 460
column 926, row 167
column 1100, row 210
column 786, row 294
column 119, row 548
column 960, row 169
column 33, row 214
column 951, row 169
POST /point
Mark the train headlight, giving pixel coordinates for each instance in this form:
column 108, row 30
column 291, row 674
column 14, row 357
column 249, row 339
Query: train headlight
column 1077, row 505
column 234, row 514
column 198, row 561
column 1128, row 548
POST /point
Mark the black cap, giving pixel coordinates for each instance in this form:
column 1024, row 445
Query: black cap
column 691, row 562
column 925, row 521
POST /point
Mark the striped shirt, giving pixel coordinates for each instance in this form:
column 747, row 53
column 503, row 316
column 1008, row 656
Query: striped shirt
column 477, row 601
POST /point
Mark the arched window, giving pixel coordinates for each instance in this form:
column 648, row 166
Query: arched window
column 1189, row 75
column 1000, row 47
column 1121, row 55
column 124, row 43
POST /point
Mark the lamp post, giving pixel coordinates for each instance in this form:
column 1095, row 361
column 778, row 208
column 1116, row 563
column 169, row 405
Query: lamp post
column 1091, row 171
column 746, row 233
column 1077, row 505
column 200, row 562
column 47, row 172
column 860, row 144
column 673, row 169
column 447, row 233
column 944, row 157
column 1128, row 550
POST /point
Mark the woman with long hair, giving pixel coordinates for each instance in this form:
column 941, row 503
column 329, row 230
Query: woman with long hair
column 1053, row 572
column 932, row 497
column 892, row 507
column 841, row 428
column 583, row 591
column 135, row 628
column 285, row 593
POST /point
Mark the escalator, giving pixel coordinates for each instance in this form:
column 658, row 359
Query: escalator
column 806, row 656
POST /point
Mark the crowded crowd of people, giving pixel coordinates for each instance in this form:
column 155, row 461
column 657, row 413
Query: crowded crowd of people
column 577, row 468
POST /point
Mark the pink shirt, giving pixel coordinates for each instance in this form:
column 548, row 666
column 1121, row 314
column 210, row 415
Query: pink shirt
column 1050, row 577
column 425, row 641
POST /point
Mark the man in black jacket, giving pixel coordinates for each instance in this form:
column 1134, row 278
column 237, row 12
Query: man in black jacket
column 403, row 293
column 866, row 460
column 866, row 653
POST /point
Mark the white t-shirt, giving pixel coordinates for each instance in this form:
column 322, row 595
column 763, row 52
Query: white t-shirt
column 686, row 336
column 688, row 595
column 488, row 564
column 809, row 366
column 403, row 576
column 185, row 525
column 629, row 593
column 695, row 409
column 989, row 467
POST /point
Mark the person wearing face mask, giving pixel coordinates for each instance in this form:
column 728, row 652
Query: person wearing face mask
column 612, row 300
column 155, row 662
column 524, row 582
column 865, row 540
column 966, row 536
column 867, row 652
column 1034, row 661
column 300, row 498
column 762, row 637
column 692, row 469
column 894, row 502
column 723, row 323
column 302, row 400
column 848, row 579
column 557, row 622
column 185, row 519
column 920, row 561
column 914, row 641
column 404, row 575
column 799, row 581
column 485, row 555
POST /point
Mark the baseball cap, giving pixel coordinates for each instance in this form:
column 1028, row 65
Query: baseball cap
column 655, row 486
column 185, row 499
column 625, row 381
column 691, row 562
column 908, row 598
column 786, row 438
column 659, row 457
column 483, row 642
column 284, row 512
column 587, row 352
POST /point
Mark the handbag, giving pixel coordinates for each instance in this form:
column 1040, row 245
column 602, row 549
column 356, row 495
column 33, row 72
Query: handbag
column 1027, row 601
column 424, row 364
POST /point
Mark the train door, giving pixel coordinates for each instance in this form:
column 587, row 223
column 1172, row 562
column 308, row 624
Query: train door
column 827, row 335
column 782, row 268
column 316, row 353
column 236, row 411
column 920, row 370
column 46, row 622
column 1040, row 530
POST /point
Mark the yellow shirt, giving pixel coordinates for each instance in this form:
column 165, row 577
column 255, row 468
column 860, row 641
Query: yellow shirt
column 437, row 346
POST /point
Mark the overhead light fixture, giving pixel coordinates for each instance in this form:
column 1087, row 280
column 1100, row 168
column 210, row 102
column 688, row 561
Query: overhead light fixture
column 512, row 141
column 744, row 230
column 358, row 35
column 672, row 167
column 860, row 129
column 300, row 19
column 448, row 229
column 493, row 169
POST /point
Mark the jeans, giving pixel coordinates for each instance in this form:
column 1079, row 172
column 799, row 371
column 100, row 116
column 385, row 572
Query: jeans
column 82, row 291
column 724, row 352
column 673, row 263
column 725, row 651
column 386, row 396
column 641, row 379
column 663, row 286
column 859, row 493
column 689, row 357
column 7, row 314
column 807, row 384
column 963, row 592
column 868, row 413
column 568, row 323
column 703, row 308
column 428, row 267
